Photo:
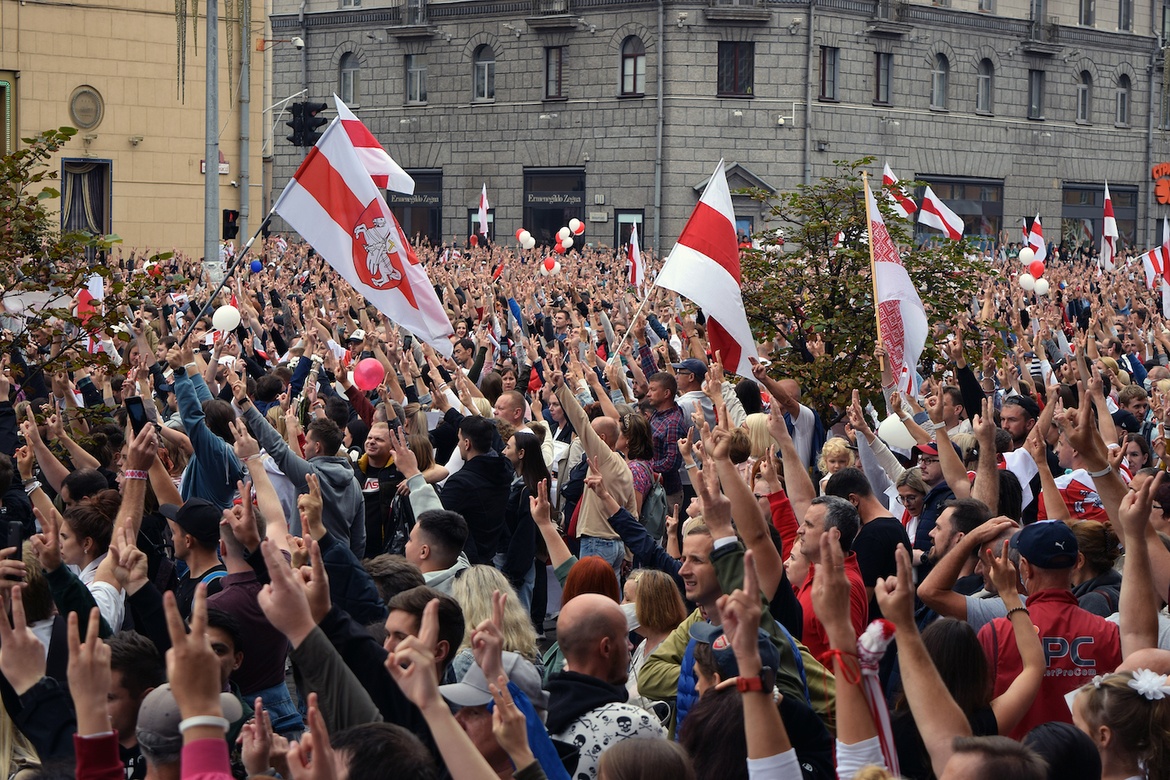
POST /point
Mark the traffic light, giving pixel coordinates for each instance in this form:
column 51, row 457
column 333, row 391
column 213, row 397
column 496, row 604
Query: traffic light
column 231, row 224
column 311, row 120
column 297, row 123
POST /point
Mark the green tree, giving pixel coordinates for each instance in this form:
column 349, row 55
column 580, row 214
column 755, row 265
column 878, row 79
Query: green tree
column 816, row 295
column 42, row 268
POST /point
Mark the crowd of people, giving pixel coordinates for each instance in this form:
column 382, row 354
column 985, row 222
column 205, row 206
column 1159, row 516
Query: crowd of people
column 577, row 547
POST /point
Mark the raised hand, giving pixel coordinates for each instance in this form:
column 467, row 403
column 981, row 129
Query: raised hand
column 47, row 544
column 539, row 506
column 22, row 655
column 509, row 725
column 487, row 641
column 412, row 664
column 895, row 595
column 88, row 671
column 311, row 506
column 192, row 666
column 313, row 757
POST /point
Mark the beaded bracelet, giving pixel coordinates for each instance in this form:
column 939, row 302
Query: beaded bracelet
column 135, row 474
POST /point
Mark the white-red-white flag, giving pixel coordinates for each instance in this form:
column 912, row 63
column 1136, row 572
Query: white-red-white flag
column 1165, row 258
column 1109, row 234
column 386, row 173
column 483, row 210
column 704, row 267
column 903, row 203
column 335, row 206
column 902, row 324
column 936, row 214
column 1036, row 239
column 634, row 258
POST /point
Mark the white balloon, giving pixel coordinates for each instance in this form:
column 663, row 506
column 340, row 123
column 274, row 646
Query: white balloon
column 524, row 236
column 226, row 318
column 1041, row 286
column 563, row 233
column 1027, row 282
column 567, row 242
column 893, row 432
column 557, row 268
column 543, row 270
column 1027, row 255
column 529, row 241
column 574, row 224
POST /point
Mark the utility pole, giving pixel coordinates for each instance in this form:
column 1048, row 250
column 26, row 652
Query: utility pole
column 211, row 215
column 245, row 118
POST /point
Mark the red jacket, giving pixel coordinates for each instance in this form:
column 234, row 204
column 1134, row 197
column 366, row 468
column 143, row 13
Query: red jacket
column 1078, row 646
column 98, row 757
column 814, row 636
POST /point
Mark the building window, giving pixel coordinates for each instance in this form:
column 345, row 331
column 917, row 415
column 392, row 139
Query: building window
column 473, row 223
column 351, row 3
column 552, row 196
column 483, row 73
column 1035, row 94
column 624, row 221
column 1123, row 86
column 633, row 66
column 985, row 87
column 1081, row 215
column 736, row 66
column 1166, row 20
column 414, row 12
column 1125, row 15
column 830, row 57
column 938, row 81
column 554, row 59
column 350, row 79
column 978, row 201
column 987, row 6
column 1088, row 13
column 883, row 72
column 1085, row 98
column 416, row 78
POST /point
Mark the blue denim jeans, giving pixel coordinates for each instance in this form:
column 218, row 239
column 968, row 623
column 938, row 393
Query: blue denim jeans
column 524, row 592
column 282, row 710
column 612, row 550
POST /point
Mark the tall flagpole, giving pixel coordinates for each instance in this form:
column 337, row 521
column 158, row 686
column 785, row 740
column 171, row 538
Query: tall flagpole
column 872, row 265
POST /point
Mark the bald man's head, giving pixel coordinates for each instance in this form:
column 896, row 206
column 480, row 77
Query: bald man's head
column 607, row 428
column 1157, row 661
column 592, row 633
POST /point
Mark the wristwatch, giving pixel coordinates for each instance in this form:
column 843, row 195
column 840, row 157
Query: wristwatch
column 765, row 682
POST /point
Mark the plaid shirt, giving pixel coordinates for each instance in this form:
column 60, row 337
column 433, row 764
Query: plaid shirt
column 667, row 428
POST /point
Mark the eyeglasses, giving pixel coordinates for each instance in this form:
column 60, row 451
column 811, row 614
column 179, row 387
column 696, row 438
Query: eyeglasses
column 926, row 459
column 1158, row 508
column 911, row 499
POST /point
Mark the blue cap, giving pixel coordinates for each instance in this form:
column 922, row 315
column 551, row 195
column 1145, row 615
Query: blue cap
column 693, row 365
column 1048, row 544
column 725, row 656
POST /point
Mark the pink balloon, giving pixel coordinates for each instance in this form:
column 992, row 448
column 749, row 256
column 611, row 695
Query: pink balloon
column 368, row 374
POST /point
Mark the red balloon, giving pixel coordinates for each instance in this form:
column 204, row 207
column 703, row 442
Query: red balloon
column 559, row 248
column 518, row 232
column 550, row 263
column 368, row 374
column 474, row 240
column 580, row 229
column 1036, row 268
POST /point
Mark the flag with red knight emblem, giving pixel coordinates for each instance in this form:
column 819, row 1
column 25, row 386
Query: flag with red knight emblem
column 704, row 267
column 334, row 204
column 902, row 324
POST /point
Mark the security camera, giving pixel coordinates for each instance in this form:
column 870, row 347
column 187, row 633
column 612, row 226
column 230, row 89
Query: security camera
column 298, row 43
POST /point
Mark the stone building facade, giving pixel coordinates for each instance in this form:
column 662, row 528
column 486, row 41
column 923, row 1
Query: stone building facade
column 616, row 111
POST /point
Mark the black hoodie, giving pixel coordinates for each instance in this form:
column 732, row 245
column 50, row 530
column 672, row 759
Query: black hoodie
column 479, row 491
column 571, row 695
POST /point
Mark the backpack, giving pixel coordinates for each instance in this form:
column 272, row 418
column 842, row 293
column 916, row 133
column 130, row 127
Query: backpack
column 653, row 517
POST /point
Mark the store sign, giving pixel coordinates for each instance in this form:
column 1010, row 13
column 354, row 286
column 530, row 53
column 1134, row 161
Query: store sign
column 555, row 199
column 431, row 199
column 1161, row 176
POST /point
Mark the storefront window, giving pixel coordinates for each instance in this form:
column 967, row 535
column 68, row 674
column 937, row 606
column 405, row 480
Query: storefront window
column 552, row 196
column 421, row 214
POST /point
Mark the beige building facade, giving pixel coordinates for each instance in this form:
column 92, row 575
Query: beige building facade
column 110, row 69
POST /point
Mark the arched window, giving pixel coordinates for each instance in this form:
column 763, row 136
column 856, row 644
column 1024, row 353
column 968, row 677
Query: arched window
column 1123, row 91
column 1085, row 97
column 484, row 73
column 985, row 88
column 938, row 81
column 350, row 79
column 633, row 66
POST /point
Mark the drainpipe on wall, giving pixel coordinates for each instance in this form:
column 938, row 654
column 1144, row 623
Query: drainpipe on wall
column 658, row 131
column 808, row 94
